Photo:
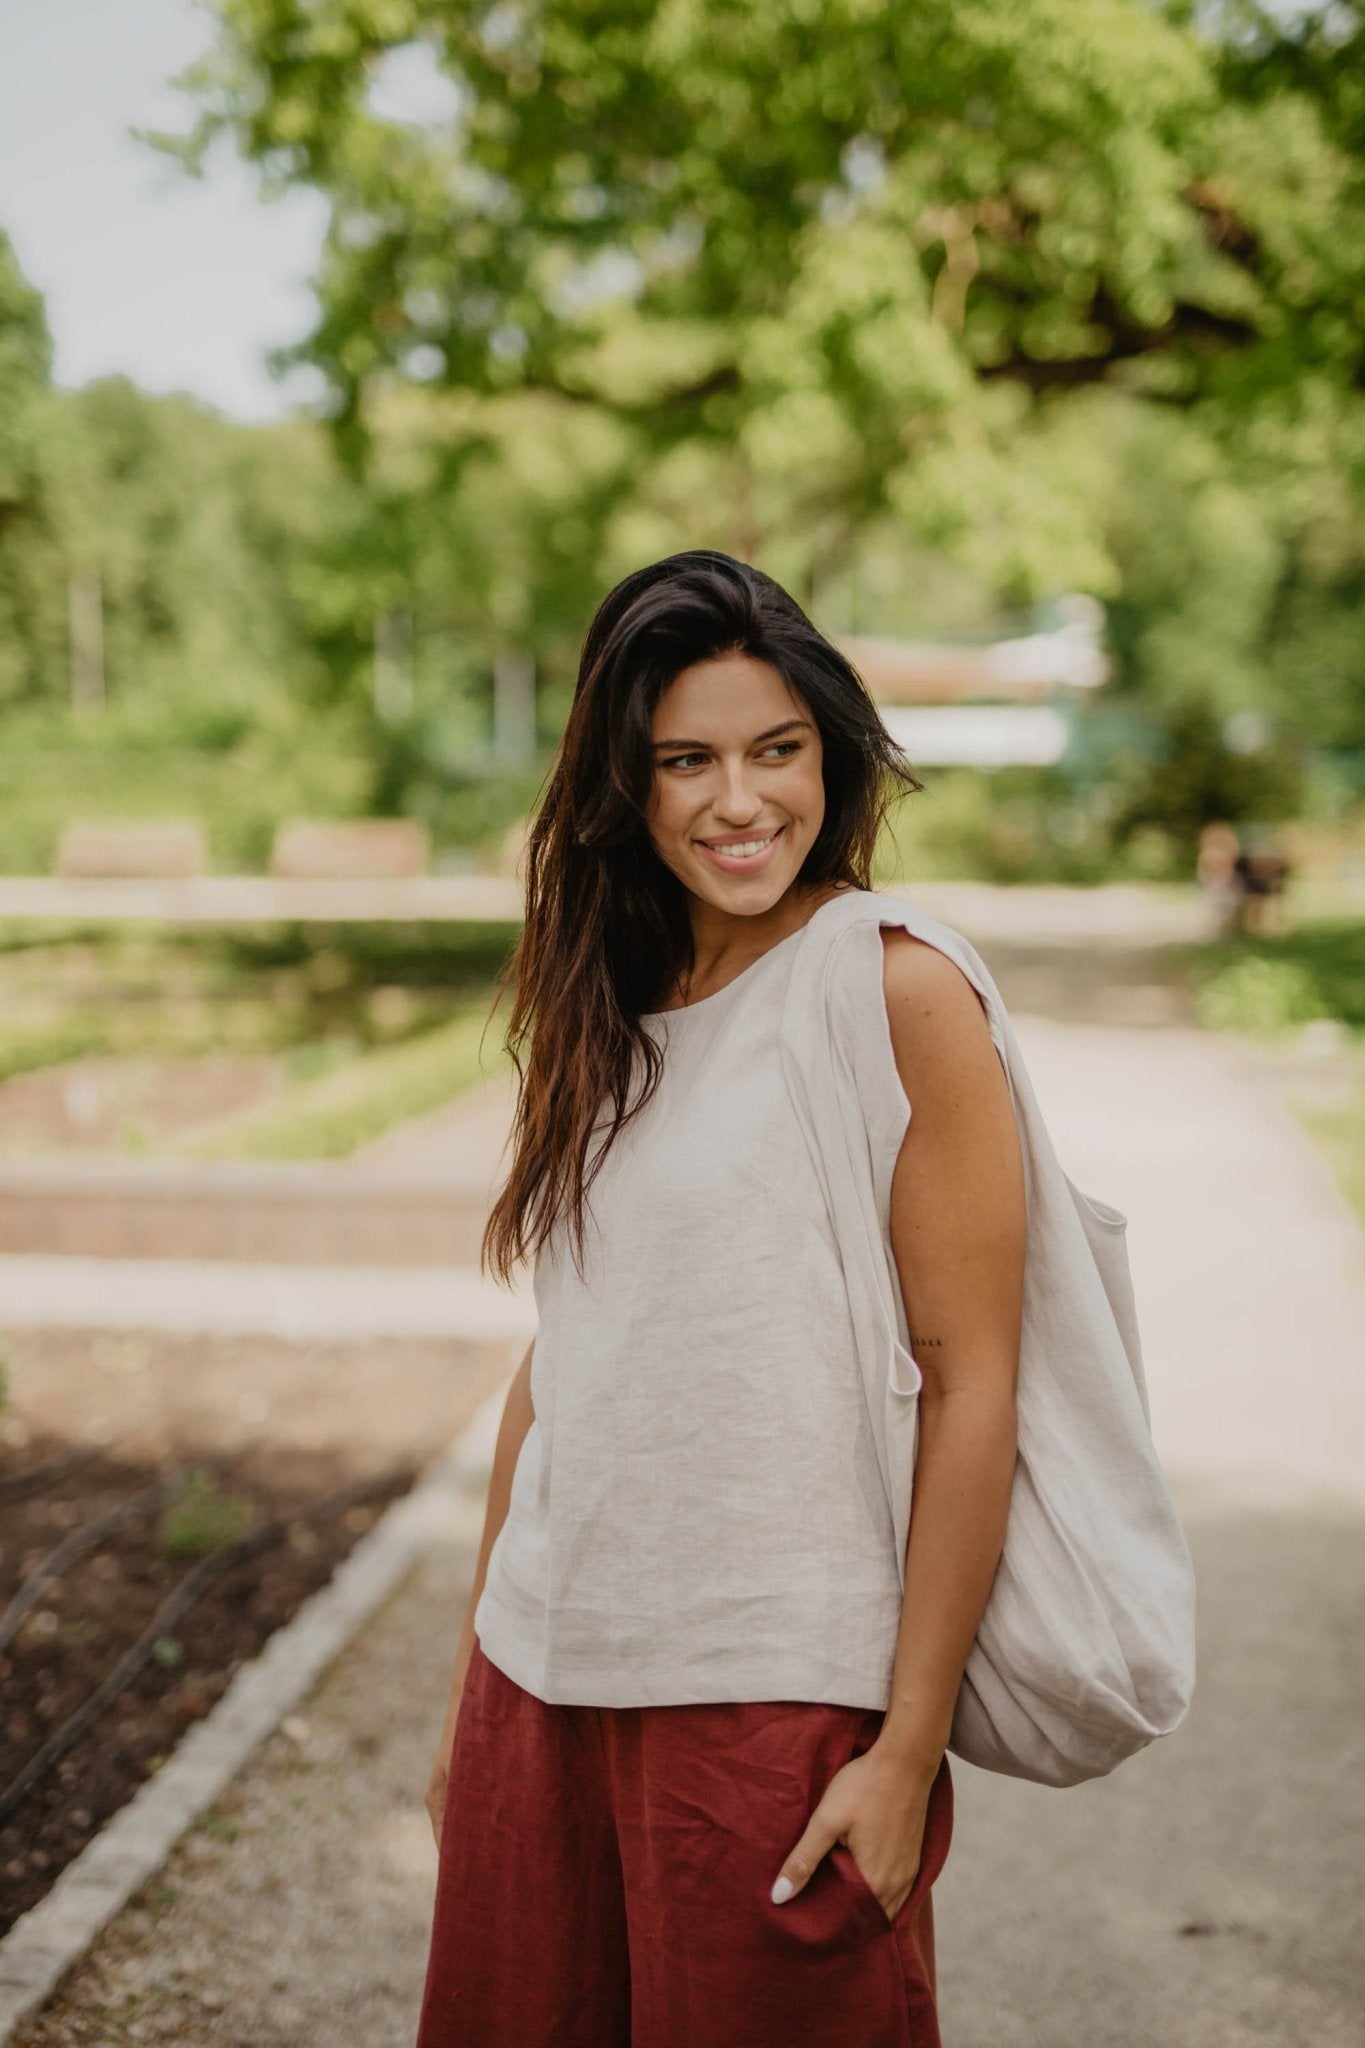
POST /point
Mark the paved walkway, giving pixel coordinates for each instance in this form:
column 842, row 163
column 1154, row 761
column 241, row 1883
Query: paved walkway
column 1207, row 1895
column 329, row 1303
column 1248, row 1262
column 259, row 899
column 1203, row 1897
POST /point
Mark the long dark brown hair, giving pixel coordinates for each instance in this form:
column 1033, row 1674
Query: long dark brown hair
column 607, row 932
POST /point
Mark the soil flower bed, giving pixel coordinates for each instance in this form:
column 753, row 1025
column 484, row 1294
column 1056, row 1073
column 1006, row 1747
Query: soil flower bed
column 131, row 1591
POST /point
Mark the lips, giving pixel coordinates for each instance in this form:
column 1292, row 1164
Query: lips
column 759, row 851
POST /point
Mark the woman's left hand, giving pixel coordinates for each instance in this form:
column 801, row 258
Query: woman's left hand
column 876, row 1804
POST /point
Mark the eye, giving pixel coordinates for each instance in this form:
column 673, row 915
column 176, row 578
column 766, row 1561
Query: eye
column 680, row 760
column 784, row 747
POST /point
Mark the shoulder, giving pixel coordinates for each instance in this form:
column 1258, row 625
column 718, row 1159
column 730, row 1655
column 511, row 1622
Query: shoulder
column 915, row 971
column 877, row 952
column 938, row 1020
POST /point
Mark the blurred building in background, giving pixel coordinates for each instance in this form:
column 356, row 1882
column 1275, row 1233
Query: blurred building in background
column 988, row 703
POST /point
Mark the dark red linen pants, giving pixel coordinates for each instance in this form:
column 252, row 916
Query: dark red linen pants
column 605, row 1875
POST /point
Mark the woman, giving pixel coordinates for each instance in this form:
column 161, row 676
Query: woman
column 692, row 1789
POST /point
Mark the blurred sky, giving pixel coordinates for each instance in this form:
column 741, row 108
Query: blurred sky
column 181, row 284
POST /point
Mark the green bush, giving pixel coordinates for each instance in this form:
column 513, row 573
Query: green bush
column 1016, row 824
column 1192, row 778
column 1261, row 997
column 1267, row 986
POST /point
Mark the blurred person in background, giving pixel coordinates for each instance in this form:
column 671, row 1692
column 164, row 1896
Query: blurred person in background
column 692, row 1789
column 1242, row 874
column 1262, row 872
column 1219, row 881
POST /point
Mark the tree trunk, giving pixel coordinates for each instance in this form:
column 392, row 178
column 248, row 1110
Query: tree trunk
column 85, row 628
column 392, row 666
column 514, row 709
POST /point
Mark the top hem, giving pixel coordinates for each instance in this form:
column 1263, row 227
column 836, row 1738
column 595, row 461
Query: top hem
column 804, row 1682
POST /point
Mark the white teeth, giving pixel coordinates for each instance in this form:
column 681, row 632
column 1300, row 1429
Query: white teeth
column 744, row 849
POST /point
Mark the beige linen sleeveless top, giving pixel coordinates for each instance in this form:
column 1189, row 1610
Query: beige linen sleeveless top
column 713, row 1500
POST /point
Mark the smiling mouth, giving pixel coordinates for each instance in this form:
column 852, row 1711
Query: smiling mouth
column 739, row 855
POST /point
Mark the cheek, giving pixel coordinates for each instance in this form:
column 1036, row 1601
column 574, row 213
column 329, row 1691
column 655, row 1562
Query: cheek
column 659, row 812
column 812, row 794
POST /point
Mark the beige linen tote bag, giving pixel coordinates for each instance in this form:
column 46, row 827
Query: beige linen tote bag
column 1085, row 1651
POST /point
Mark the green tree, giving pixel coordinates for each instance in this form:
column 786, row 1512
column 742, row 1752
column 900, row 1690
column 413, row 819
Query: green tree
column 31, row 582
column 827, row 260
column 198, row 530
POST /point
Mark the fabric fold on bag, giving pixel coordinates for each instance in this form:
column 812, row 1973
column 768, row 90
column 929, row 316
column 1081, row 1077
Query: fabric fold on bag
column 1085, row 1651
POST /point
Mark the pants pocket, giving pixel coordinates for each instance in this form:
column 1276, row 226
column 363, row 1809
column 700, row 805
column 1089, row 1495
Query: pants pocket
column 938, row 1827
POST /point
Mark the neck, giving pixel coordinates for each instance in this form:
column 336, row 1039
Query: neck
column 721, row 938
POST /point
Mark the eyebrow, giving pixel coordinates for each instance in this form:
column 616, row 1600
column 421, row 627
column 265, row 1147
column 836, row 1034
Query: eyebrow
column 773, row 732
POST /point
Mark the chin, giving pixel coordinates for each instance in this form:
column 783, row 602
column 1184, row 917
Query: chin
column 743, row 895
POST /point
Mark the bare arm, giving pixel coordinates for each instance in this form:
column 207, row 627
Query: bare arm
column 517, row 1417
column 958, row 1232
column 958, row 1235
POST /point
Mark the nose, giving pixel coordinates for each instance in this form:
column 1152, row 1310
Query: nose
column 736, row 802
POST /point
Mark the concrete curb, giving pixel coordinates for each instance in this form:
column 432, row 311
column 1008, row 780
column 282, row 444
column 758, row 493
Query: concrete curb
column 443, row 1507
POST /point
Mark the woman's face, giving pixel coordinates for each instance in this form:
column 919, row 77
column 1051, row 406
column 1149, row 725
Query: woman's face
column 738, row 795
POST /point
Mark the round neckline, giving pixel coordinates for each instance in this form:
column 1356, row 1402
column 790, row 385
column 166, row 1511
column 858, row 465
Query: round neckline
column 704, row 1002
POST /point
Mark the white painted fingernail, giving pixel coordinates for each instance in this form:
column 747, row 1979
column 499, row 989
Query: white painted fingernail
column 782, row 1891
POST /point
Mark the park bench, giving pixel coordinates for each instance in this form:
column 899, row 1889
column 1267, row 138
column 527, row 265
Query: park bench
column 360, row 849
column 146, row 848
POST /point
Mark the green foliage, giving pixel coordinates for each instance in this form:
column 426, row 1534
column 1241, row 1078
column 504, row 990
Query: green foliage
column 1262, row 997
column 826, row 247
column 31, row 614
column 202, row 1518
column 1194, row 778
column 319, row 996
column 928, row 310
column 198, row 531
column 1240, row 566
column 153, row 759
column 1269, row 986
column 194, row 531
column 1003, row 825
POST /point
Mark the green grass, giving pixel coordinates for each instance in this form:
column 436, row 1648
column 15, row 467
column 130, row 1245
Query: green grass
column 1269, row 987
column 1340, row 1132
column 332, row 1115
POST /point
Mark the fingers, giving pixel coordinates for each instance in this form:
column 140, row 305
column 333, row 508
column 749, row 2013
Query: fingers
column 817, row 1841
column 435, row 1805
